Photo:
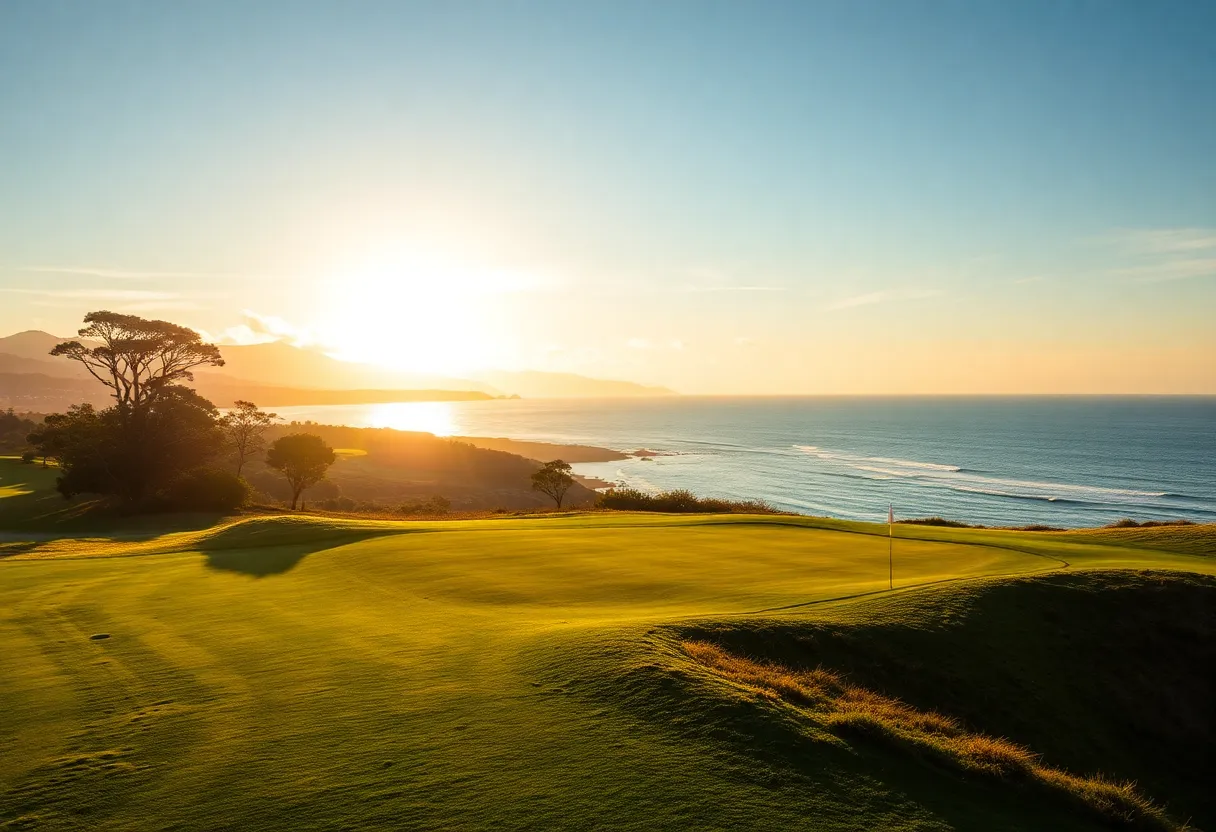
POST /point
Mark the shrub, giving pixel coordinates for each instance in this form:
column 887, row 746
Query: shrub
column 679, row 501
column 338, row 504
column 208, row 489
column 435, row 505
column 28, row 458
column 937, row 521
column 1129, row 523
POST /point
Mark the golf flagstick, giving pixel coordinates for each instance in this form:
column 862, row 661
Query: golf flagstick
column 890, row 546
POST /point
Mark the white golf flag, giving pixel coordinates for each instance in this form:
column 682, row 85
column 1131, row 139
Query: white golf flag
column 890, row 514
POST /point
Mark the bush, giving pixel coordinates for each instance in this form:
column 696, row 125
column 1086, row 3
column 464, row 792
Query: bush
column 208, row 489
column 338, row 504
column 937, row 521
column 435, row 505
column 679, row 501
column 1129, row 523
column 28, row 458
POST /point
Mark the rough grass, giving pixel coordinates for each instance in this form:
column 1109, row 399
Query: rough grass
column 679, row 501
column 1195, row 539
column 849, row 709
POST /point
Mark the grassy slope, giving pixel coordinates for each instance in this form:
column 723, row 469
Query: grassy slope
column 1092, row 669
column 283, row 672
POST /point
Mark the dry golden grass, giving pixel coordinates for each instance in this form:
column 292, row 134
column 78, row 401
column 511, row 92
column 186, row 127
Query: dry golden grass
column 1198, row 539
column 847, row 709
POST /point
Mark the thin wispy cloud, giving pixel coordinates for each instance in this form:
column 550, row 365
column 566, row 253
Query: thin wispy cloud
column 1179, row 269
column 732, row 289
column 1164, row 240
column 882, row 296
column 156, row 306
column 118, row 274
column 134, row 295
column 1164, row 254
column 120, row 300
column 647, row 344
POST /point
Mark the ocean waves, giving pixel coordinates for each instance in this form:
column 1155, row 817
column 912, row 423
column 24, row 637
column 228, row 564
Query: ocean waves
column 998, row 461
column 955, row 478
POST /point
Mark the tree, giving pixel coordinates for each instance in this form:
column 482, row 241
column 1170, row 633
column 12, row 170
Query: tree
column 208, row 489
column 243, row 429
column 61, row 432
column 553, row 478
column 13, row 431
column 303, row 458
column 137, row 357
column 101, row 452
column 156, row 430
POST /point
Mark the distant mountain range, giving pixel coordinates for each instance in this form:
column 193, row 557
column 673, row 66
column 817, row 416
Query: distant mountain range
column 279, row 374
column 538, row 385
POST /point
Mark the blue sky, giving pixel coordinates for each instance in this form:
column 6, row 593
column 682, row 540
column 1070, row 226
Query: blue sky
column 721, row 197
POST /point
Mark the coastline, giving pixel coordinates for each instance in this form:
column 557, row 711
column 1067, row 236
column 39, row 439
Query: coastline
column 993, row 462
column 544, row 451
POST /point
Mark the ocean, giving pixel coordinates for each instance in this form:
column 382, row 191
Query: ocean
column 1060, row 461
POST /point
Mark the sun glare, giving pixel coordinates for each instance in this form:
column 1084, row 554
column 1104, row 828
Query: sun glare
column 429, row 417
column 418, row 313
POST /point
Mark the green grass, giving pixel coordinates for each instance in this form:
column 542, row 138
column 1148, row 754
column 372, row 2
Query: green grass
column 309, row 673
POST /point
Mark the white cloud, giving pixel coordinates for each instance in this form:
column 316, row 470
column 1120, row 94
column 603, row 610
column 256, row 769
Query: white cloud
column 257, row 328
column 261, row 328
column 638, row 344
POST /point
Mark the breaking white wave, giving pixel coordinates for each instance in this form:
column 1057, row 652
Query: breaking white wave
column 954, row 478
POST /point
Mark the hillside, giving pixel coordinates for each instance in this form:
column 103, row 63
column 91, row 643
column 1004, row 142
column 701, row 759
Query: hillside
column 536, row 385
column 392, row 467
column 282, row 364
column 47, row 393
column 32, row 344
column 282, row 374
column 607, row 671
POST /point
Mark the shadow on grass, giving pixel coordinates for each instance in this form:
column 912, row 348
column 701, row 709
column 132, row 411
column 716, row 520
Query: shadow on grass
column 272, row 548
column 1095, row 671
column 848, row 784
column 262, row 562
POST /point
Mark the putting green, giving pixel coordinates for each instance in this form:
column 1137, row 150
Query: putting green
column 294, row 673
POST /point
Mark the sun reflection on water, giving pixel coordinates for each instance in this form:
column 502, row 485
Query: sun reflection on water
column 432, row 417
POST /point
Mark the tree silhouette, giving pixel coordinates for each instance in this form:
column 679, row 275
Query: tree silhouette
column 243, row 428
column 138, row 357
column 107, row 452
column 303, row 458
column 553, row 479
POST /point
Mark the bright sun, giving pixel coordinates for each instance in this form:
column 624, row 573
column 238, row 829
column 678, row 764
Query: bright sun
column 417, row 313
